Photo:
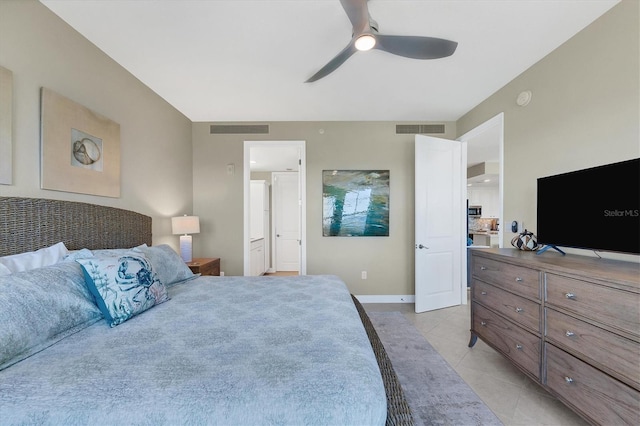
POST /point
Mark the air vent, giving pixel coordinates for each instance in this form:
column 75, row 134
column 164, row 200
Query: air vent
column 239, row 129
column 415, row 129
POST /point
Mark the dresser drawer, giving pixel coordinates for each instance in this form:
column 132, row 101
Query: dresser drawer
column 522, row 311
column 518, row 279
column 599, row 396
column 522, row 347
column 606, row 305
column 615, row 354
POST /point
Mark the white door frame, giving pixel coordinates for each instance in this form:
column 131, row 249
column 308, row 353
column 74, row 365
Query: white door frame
column 497, row 120
column 302, row 176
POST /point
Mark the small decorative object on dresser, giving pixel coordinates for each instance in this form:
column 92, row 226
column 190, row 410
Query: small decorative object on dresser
column 205, row 265
column 571, row 323
column 525, row 241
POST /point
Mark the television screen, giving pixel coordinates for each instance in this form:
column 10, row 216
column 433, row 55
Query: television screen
column 596, row 208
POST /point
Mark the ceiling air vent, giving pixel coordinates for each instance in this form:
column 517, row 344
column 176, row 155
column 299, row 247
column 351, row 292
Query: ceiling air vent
column 239, row 129
column 415, row 129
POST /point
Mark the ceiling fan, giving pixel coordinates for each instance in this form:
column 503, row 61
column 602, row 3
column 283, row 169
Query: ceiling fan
column 366, row 37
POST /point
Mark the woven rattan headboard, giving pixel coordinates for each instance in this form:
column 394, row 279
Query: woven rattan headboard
column 28, row 224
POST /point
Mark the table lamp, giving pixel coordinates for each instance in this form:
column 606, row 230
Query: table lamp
column 185, row 225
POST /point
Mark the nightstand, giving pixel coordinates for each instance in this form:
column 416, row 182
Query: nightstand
column 205, row 265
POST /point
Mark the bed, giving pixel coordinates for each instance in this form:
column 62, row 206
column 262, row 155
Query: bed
column 207, row 350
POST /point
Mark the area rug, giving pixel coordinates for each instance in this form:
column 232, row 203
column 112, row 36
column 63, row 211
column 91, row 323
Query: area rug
column 436, row 394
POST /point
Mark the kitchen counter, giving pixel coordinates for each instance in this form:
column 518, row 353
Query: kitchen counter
column 484, row 238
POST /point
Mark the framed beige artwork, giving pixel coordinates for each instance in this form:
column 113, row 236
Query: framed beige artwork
column 6, row 110
column 80, row 149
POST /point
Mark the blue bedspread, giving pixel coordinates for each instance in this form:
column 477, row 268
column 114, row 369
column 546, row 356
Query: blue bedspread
column 221, row 351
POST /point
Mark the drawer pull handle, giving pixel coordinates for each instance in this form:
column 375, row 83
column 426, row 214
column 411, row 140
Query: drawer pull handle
column 570, row 296
column 569, row 380
column 484, row 293
column 518, row 279
column 483, row 268
column 519, row 310
column 483, row 323
column 569, row 333
column 519, row 347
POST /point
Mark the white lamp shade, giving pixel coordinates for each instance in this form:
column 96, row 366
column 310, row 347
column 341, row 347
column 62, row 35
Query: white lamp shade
column 185, row 225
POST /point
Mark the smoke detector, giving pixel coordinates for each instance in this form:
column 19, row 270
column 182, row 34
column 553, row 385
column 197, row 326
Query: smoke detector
column 524, row 98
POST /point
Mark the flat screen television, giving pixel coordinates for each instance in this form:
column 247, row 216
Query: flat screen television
column 596, row 208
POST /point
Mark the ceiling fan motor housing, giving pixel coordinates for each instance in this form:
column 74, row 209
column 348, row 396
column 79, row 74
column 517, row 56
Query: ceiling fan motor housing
column 365, row 36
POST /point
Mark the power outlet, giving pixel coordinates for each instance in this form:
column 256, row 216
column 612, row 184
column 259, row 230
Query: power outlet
column 222, row 273
column 363, row 275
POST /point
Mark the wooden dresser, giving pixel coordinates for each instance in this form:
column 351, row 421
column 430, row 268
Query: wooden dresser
column 571, row 323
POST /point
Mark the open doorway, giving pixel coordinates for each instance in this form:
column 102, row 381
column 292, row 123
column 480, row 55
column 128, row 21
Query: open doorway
column 264, row 161
column 485, row 172
column 485, row 156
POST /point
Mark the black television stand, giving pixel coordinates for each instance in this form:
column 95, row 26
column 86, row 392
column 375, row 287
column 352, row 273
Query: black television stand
column 550, row 246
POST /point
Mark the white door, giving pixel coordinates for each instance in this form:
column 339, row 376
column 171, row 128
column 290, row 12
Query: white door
column 286, row 216
column 440, row 243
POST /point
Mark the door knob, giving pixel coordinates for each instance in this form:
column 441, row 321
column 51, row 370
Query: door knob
column 420, row 246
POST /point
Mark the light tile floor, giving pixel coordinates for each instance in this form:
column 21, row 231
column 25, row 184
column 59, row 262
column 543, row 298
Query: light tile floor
column 512, row 396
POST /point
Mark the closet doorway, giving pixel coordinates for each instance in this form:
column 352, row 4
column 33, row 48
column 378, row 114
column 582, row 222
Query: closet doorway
column 278, row 162
column 285, row 197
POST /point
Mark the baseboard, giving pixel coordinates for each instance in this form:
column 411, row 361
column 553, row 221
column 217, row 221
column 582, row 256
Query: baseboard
column 386, row 298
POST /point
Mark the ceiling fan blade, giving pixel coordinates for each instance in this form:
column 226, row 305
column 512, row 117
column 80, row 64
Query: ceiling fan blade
column 358, row 13
column 415, row 47
column 334, row 63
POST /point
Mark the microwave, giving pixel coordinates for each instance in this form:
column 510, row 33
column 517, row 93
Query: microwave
column 475, row 211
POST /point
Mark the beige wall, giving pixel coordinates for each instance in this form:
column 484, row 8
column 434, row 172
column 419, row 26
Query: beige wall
column 585, row 110
column 43, row 51
column 342, row 145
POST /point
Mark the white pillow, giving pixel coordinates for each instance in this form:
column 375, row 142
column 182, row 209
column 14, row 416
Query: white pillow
column 4, row 270
column 35, row 259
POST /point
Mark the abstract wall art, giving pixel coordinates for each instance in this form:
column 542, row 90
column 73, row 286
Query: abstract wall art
column 80, row 148
column 355, row 203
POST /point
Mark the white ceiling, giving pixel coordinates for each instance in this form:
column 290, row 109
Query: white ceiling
column 274, row 159
column 241, row 60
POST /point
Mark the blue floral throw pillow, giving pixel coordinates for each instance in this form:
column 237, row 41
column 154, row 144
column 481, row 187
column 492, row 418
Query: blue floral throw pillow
column 169, row 266
column 123, row 286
